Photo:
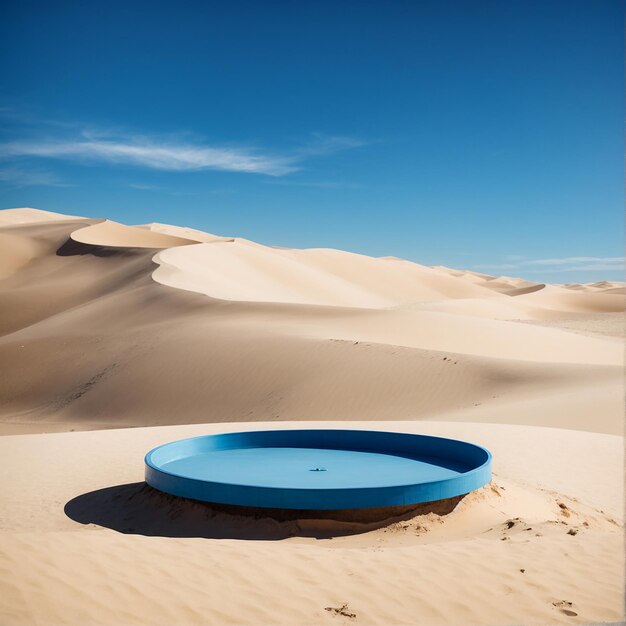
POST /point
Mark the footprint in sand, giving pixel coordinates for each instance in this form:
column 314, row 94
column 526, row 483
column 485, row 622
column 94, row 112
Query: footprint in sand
column 342, row 610
column 566, row 607
column 565, row 510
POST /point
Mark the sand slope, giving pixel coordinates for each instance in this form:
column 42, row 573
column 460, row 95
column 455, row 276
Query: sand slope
column 184, row 232
column 558, row 298
column 240, row 271
column 9, row 217
column 573, row 297
column 88, row 339
column 108, row 233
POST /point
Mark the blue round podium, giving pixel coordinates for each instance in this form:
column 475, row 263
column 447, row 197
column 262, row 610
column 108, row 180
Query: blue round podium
column 317, row 469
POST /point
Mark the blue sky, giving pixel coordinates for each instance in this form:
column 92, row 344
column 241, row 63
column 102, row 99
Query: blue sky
column 477, row 134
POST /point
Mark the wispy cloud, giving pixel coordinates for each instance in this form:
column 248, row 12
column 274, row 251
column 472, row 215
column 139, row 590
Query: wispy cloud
column 574, row 259
column 23, row 117
column 81, row 142
column 564, row 264
column 321, row 145
column 316, row 184
column 153, row 154
column 598, row 267
column 22, row 177
column 144, row 187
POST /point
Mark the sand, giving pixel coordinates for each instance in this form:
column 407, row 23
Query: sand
column 85, row 542
column 184, row 232
column 9, row 217
column 241, row 271
column 137, row 335
column 108, row 233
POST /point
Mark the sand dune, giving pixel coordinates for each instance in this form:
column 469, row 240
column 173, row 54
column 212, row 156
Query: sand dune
column 254, row 273
column 61, row 274
column 508, row 285
column 558, row 298
column 184, row 232
column 29, row 216
column 112, row 234
column 603, row 286
column 600, row 286
column 140, row 353
column 104, row 325
column 16, row 251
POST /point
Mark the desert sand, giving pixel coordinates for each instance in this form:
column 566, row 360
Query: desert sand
column 138, row 335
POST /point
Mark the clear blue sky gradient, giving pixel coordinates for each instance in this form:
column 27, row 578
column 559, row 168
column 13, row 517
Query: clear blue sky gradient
column 478, row 134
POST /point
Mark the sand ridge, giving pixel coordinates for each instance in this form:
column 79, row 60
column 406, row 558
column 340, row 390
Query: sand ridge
column 238, row 271
column 184, row 232
column 10, row 217
column 89, row 339
column 113, row 234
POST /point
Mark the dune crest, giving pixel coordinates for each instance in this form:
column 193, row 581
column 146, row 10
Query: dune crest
column 559, row 298
column 239, row 270
column 113, row 234
column 30, row 216
column 393, row 339
column 198, row 236
column 247, row 272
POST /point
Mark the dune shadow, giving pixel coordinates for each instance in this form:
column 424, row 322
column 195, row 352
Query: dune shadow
column 77, row 248
column 136, row 508
column 522, row 291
